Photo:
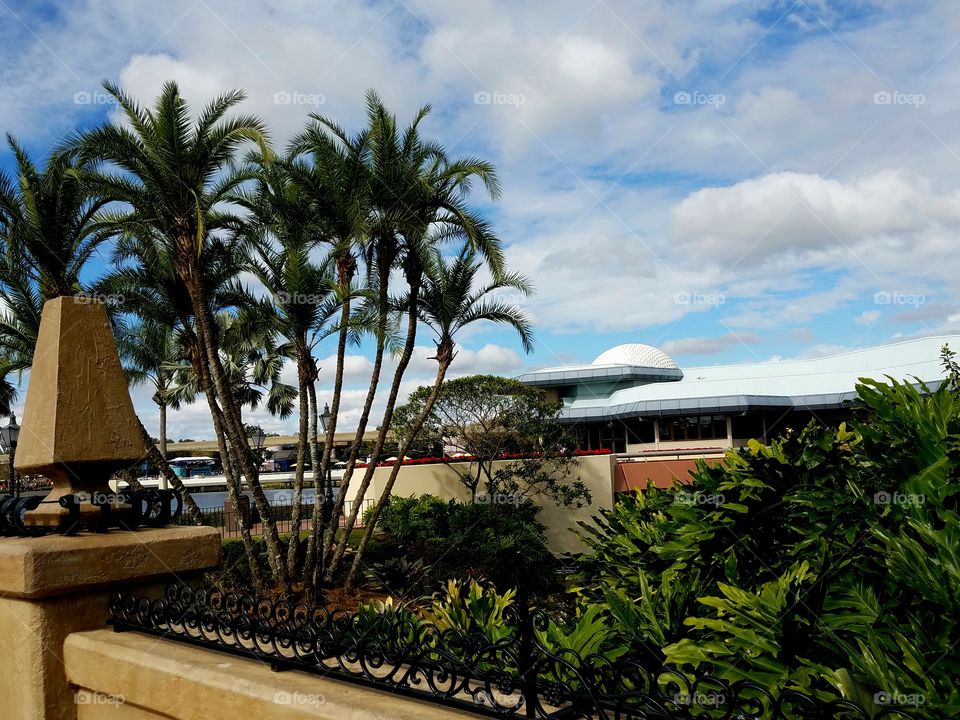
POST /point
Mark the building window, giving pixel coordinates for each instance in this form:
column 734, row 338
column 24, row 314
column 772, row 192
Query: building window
column 639, row 431
column 693, row 427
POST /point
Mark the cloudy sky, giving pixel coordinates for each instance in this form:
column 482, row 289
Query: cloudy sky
column 729, row 181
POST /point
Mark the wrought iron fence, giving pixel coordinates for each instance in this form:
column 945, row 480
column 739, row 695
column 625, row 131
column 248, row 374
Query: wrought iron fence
column 515, row 674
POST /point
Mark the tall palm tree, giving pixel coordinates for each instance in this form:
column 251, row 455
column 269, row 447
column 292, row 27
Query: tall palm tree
column 419, row 201
column 450, row 299
column 176, row 176
column 303, row 298
column 331, row 166
column 148, row 349
column 47, row 234
column 144, row 276
column 47, row 218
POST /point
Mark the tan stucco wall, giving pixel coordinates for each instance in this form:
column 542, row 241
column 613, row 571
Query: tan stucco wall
column 137, row 677
column 53, row 586
column 595, row 471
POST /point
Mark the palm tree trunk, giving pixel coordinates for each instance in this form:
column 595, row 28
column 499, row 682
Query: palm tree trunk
column 201, row 369
column 233, row 427
column 233, row 492
column 321, row 471
column 293, row 543
column 444, row 364
column 381, row 435
column 163, row 430
column 313, row 440
column 354, row 452
column 154, row 456
column 383, row 303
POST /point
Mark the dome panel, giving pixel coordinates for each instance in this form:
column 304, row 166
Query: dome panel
column 637, row 355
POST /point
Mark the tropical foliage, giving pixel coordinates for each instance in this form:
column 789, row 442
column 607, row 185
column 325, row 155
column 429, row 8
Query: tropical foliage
column 362, row 236
column 826, row 561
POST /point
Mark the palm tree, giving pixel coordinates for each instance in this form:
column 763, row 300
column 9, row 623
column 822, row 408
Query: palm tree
column 144, row 276
column 419, row 203
column 20, row 319
column 287, row 230
column 450, row 300
column 332, row 167
column 175, row 177
column 47, row 218
column 148, row 348
column 47, row 234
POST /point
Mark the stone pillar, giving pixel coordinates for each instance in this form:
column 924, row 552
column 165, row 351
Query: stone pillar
column 54, row 585
column 79, row 426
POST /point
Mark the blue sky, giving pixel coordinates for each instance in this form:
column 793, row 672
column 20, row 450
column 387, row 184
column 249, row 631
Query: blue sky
column 728, row 181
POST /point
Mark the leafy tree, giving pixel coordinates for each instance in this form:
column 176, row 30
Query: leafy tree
column 286, row 230
column 484, row 418
column 48, row 233
column 418, row 199
column 332, row 167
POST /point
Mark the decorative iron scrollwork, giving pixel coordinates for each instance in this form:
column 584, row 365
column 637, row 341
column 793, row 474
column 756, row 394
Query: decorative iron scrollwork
column 512, row 676
column 142, row 508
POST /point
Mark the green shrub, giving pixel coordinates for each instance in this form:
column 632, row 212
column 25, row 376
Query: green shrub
column 471, row 609
column 826, row 561
column 503, row 544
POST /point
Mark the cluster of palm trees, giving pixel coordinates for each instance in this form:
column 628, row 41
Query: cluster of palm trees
column 349, row 236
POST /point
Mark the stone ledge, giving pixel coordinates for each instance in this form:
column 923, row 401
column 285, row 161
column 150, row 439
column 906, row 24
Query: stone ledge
column 57, row 565
column 174, row 680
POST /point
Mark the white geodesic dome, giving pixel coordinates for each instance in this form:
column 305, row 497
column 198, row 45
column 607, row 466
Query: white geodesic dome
column 637, row 355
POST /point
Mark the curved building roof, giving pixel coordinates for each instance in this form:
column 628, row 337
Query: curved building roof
column 627, row 390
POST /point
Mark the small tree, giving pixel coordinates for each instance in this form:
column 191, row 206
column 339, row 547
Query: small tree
column 486, row 418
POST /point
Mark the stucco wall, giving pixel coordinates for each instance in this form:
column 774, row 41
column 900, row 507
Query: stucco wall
column 129, row 676
column 595, row 471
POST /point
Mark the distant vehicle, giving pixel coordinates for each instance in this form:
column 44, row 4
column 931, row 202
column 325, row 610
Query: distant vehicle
column 197, row 466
